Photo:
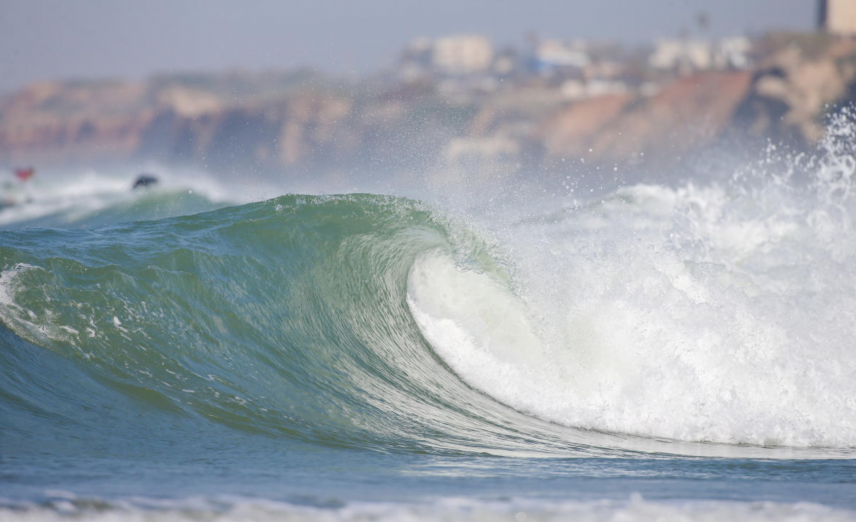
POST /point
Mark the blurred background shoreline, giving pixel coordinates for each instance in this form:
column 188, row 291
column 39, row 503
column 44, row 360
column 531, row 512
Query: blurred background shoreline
column 457, row 106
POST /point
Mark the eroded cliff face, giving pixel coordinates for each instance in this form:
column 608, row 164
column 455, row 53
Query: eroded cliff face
column 687, row 114
column 62, row 121
column 302, row 127
column 305, row 128
column 296, row 123
column 96, row 121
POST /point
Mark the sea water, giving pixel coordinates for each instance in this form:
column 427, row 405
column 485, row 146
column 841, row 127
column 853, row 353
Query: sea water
column 678, row 350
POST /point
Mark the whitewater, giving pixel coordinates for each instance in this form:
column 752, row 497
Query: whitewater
column 654, row 350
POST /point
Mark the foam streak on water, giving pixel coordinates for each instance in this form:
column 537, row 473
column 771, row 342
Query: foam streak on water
column 228, row 509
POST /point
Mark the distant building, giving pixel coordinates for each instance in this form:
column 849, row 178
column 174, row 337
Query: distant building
column 554, row 54
column 684, row 55
column 837, row 16
column 462, row 54
column 452, row 55
column 695, row 55
column 733, row 53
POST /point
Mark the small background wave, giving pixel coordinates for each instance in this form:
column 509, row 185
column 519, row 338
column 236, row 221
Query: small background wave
column 105, row 197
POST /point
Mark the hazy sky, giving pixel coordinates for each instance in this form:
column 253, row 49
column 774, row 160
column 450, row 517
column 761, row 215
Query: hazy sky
column 43, row 39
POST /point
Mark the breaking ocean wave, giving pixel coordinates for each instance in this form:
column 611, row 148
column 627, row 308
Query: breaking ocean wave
column 708, row 321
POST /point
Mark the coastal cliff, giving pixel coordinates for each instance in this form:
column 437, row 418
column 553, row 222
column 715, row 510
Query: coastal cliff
column 301, row 122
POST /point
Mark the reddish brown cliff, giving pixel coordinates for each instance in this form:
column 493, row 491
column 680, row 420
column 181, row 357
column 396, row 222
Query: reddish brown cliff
column 299, row 122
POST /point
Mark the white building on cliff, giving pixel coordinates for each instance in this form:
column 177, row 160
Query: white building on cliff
column 837, row 16
column 462, row 54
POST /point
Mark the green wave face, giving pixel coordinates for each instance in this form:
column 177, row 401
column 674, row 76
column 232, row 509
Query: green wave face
column 286, row 318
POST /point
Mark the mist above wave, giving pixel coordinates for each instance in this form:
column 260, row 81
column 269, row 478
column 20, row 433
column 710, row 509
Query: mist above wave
column 709, row 311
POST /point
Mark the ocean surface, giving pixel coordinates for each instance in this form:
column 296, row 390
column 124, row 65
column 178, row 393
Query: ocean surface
column 679, row 349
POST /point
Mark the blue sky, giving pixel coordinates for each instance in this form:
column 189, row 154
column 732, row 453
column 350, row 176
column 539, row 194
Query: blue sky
column 46, row 39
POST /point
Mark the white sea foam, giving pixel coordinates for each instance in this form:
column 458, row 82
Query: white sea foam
column 721, row 312
column 523, row 510
column 12, row 313
column 7, row 278
column 8, row 287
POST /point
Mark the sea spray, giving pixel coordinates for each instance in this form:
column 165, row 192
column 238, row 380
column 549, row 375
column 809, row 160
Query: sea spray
column 703, row 311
